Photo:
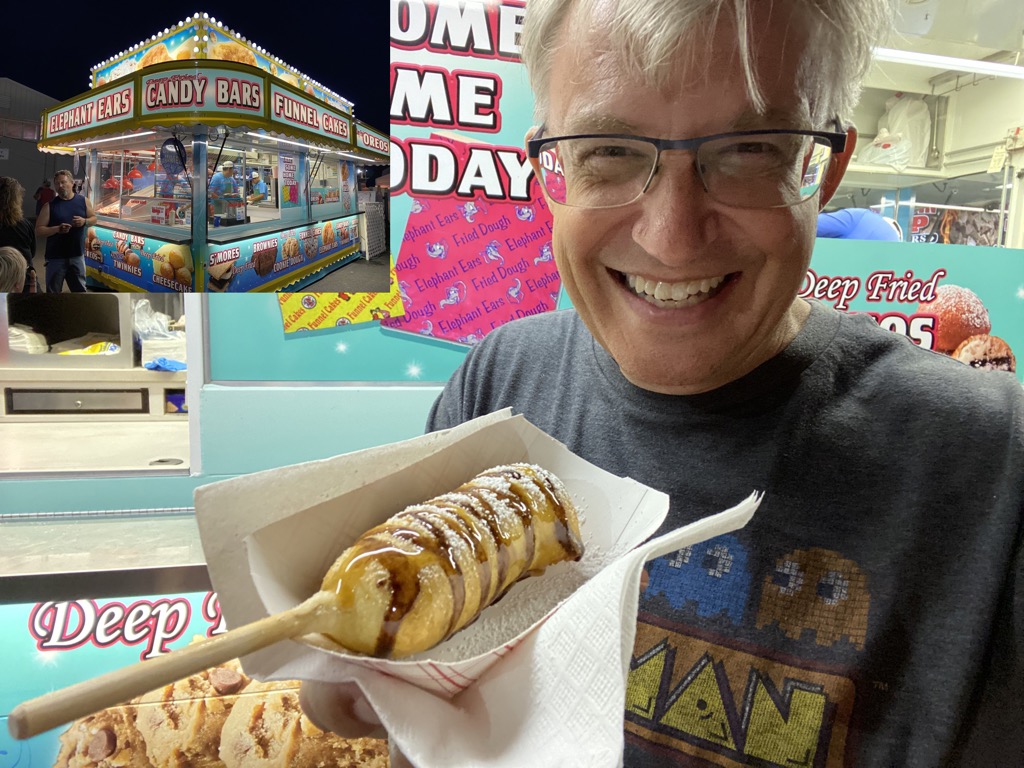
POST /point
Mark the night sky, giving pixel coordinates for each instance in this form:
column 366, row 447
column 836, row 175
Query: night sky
column 344, row 46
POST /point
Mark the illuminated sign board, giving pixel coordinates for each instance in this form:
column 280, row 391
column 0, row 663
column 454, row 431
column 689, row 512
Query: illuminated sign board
column 293, row 109
column 97, row 110
column 371, row 140
column 211, row 91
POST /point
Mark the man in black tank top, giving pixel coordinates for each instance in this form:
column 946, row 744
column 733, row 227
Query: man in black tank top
column 62, row 222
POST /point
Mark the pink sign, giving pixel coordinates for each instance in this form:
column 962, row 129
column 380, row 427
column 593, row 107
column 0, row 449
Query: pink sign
column 467, row 266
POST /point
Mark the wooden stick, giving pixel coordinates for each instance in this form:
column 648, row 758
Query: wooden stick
column 58, row 707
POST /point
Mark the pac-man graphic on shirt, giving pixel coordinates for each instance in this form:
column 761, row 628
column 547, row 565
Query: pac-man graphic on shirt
column 816, row 590
column 713, row 576
column 708, row 704
column 697, row 706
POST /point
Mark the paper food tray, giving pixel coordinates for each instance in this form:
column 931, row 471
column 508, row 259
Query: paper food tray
column 270, row 537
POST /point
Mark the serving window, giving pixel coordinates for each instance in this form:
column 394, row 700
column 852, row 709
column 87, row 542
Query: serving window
column 333, row 187
column 253, row 183
column 133, row 186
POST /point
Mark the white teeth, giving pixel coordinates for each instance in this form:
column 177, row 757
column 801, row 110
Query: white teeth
column 685, row 293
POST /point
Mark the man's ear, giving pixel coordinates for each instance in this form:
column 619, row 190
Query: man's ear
column 836, row 169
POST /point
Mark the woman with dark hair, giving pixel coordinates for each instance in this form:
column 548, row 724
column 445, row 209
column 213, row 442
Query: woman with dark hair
column 15, row 229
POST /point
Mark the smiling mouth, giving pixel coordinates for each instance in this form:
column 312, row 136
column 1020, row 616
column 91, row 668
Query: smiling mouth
column 686, row 293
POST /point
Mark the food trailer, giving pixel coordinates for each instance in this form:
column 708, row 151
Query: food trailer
column 213, row 165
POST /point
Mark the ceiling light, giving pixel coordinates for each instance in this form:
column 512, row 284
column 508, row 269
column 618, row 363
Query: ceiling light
column 980, row 67
column 113, row 138
column 276, row 138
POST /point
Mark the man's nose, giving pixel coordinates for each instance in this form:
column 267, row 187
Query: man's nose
column 676, row 216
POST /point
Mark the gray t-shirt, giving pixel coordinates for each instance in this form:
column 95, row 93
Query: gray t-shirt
column 872, row 612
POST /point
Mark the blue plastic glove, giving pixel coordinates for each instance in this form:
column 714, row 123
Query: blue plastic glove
column 163, row 364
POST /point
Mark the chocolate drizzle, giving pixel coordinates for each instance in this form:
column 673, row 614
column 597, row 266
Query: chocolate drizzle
column 504, row 509
column 568, row 538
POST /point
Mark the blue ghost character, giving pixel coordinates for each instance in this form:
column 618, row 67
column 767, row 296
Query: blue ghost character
column 713, row 575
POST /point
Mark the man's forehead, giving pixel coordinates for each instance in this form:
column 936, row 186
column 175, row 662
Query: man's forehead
column 595, row 97
column 597, row 121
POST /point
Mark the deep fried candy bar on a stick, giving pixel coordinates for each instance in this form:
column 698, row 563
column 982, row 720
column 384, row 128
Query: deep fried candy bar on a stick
column 401, row 588
column 430, row 570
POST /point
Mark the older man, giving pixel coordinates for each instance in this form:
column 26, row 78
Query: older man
column 63, row 223
column 871, row 614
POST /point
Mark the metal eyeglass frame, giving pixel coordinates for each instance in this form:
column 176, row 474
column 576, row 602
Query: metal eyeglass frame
column 836, row 140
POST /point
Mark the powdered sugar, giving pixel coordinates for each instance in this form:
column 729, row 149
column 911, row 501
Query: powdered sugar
column 964, row 303
column 959, row 314
column 529, row 601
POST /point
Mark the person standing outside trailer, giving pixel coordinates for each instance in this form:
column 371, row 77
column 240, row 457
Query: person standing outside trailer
column 62, row 222
column 43, row 195
column 12, row 270
column 15, row 230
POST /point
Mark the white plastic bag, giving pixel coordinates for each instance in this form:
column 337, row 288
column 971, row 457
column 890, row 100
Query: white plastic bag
column 150, row 324
column 887, row 149
column 907, row 116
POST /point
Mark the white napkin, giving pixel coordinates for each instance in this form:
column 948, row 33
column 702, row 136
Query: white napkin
column 557, row 698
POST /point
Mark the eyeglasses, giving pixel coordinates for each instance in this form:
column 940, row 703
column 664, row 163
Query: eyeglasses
column 742, row 169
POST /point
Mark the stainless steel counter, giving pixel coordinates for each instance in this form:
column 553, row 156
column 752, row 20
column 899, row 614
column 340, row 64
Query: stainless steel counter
column 69, row 556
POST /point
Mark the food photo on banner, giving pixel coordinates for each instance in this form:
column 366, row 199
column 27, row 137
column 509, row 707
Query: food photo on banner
column 475, row 230
column 215, row 717
column 947, row 298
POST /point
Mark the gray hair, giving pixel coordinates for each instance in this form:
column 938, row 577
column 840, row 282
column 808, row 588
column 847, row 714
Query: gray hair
column 646, row 35
column 12, row 270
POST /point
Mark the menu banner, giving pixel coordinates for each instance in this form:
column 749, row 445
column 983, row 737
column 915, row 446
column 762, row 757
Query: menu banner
column 107, row 107
column 146, row 263
column 469, row 263
column 317, row 311
column 476, row 246
column 255, row 263
column 288, row 107
column 194, row 92
column 50, row 645
column 291, row 175
column 209, row 90
column 957, row 300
